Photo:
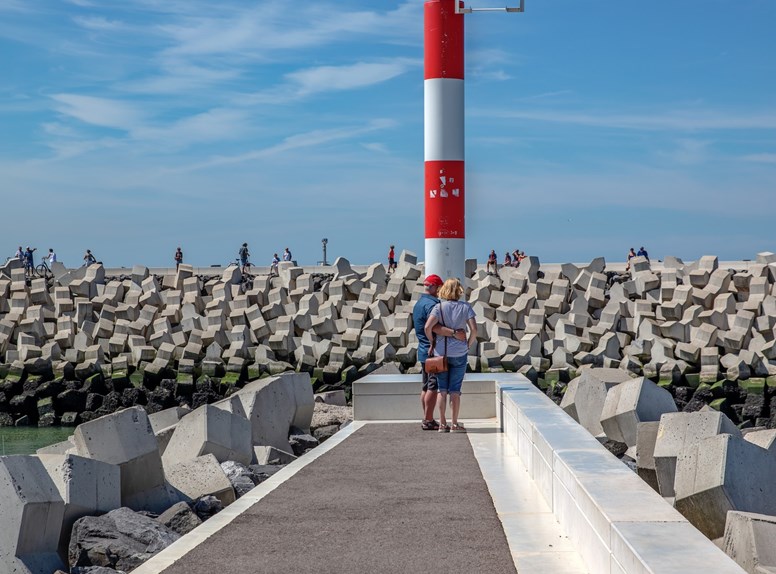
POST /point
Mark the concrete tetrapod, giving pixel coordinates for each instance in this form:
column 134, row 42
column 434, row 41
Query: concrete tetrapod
column 87, row 486
column 678, row 431
column 749, row 540
column 275, row 404
column 210, row 430
column 632, row 402
column 125, row 438
column 585, row 396
column 31, row 510
column 722, row 473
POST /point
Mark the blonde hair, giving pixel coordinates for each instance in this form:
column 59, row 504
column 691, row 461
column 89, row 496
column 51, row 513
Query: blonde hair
column 451, row 290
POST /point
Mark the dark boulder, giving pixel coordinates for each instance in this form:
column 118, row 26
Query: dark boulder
column 121, row 539
column 302, row 442
column 70, row 400
column 241, row 477
column 207, row 506
column 324, row 433
column 180, row 518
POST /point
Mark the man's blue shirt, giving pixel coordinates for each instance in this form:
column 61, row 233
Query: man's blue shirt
column 420, row 314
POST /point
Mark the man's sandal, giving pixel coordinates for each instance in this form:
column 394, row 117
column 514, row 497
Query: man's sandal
column 458, row 428
column 429, row 425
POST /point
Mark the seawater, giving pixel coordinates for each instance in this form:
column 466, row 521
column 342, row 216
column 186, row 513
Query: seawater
column 26, row 440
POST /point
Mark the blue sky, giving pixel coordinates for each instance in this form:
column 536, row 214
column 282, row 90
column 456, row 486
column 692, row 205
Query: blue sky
column 134, row 127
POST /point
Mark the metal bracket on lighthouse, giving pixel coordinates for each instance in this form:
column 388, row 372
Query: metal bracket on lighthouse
column 460, row 8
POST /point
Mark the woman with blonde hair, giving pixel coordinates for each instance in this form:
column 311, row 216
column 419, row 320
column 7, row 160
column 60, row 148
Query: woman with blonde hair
column 457, row 315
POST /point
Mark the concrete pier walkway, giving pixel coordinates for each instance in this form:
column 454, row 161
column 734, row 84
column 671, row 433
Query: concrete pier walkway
column 390, row 498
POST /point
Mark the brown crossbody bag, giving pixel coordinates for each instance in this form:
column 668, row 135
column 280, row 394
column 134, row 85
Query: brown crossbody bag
column 437, row 364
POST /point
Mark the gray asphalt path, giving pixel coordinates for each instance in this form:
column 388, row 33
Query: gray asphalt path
column 390, row 498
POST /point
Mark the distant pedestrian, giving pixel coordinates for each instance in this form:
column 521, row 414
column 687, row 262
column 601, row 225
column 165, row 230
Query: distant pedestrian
column 507, row 260
column 29, row 261
column 631, row 255
column 52, row 256
column 643, row 253
column 492, row 262
column 20, row 254
column 516, row 258
column 178, row 258
column 273, row 270
column 89, row 258
column 287, row 255
column 391, row 259
column 456, row 315
column 244, row 255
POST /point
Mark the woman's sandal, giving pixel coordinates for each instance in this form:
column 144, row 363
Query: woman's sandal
column 458, row 428
column 444, row 428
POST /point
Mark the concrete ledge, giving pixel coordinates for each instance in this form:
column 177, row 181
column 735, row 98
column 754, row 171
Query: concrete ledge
column 617, row 523
column 397, row 397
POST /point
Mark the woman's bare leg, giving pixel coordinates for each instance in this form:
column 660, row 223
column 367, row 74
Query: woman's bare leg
column 442, row 408
column 455, row 403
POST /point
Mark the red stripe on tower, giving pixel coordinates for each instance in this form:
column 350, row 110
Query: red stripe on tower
column 445, row 202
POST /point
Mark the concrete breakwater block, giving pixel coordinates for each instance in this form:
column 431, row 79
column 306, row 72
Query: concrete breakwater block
column 167, row 417
column 210, row 430
column 87, row 487
column 125, row 438
column 632, row 402
column 274, row 405
column 31, row 511
column 749, row 540
column 722, row 473
column 585, row 396
column 200, row 477
column 678, row 431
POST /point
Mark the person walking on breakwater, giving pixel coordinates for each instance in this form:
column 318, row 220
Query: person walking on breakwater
column 631, row 255
column 643, row 253
column 287, row 254
column 29, row 261
column 456, row 315
column 492, row 262
column 178, row 258
column 273, row 269
column 52, row 256
column 89, row 258
column 244, row 254
column 420, row 313
column 391, row 259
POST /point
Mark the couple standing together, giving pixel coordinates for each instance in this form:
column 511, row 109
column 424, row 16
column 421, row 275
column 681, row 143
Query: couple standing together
column 441, row 323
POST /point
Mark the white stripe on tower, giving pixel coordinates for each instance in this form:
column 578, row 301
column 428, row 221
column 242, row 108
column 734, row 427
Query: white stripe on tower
column 445, row 201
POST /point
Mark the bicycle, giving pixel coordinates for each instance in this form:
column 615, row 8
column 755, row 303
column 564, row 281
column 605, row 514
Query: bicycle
column 247, row 275
column 43, row 270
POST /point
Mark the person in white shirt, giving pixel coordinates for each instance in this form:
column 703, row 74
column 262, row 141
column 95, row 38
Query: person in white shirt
column 52, row 257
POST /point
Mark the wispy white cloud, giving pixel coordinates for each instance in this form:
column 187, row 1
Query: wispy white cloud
column 688, row 151
column 309, row 139
column 375, row 147
column 101, row 112
column 99, row 23
column 679, row 120
column 761, row 158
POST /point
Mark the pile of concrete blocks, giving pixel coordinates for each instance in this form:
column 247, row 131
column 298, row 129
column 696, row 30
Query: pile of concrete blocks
column 120, row 461
column 83, row 345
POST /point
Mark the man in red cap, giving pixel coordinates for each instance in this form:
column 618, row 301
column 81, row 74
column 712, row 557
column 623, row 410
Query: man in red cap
column 420, row 313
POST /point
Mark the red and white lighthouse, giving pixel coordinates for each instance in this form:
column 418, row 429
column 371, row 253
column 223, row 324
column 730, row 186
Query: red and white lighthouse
column 445, row 197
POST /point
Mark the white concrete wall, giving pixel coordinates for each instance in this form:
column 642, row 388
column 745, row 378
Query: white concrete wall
column 618, row 524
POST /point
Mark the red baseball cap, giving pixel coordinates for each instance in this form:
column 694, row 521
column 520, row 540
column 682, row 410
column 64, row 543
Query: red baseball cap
column 433, row 280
